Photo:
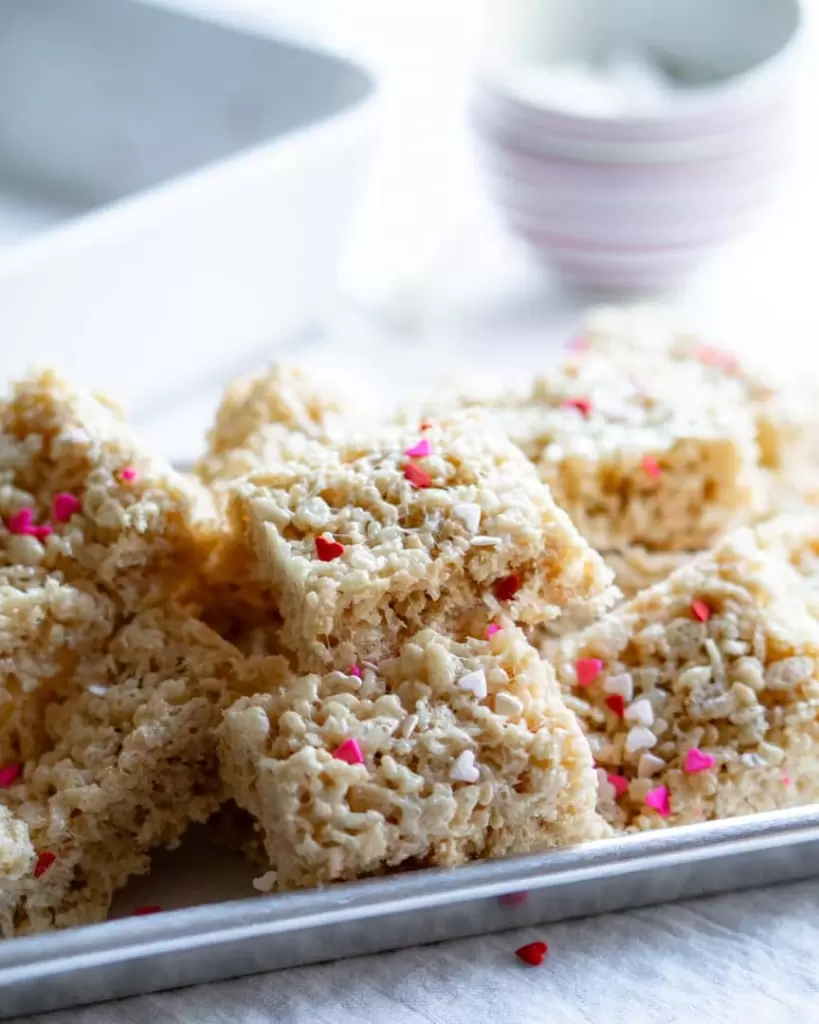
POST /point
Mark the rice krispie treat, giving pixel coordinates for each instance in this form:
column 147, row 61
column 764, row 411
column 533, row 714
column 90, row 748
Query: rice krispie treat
column 635, row 568
column 130, row 762
column 700, row 696
column 662, row 458
column 785, row 422
column 81, row 500
column 446, row 527
column 447, row 753
column 279, row 397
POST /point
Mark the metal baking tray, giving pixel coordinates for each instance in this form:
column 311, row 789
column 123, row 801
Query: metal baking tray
column 246, row 936
column 175, row 188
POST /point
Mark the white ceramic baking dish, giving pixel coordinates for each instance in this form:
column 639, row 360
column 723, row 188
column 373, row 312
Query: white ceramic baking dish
column 174, row 189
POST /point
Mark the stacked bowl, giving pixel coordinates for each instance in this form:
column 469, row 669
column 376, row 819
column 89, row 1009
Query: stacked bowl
column 625, row 199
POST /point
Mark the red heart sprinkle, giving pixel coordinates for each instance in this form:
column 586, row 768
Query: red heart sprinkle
column 424, row 425
column 328, row 549
column 583, row 405
column 618, row 784
column 144, row 911
column 587, row 670
column 701, row 611
column 506, row 587
column 533, row 953
column 9, row 774
column 44, row 861
column 416, row 476
column 614, row 702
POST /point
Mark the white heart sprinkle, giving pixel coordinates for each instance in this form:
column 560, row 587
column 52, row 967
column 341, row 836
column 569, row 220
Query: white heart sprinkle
column 648, row 765
column 622, row 685
column 485, row 542
column 463, row 768
column 474, row 681
column 470, row 515
column 265, row 882
column 639, row 738
column 508, row 704
column 97, row 689
column 641, row 712
column 605, row 790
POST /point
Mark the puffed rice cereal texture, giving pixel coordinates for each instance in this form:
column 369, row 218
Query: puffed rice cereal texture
column 141, row 532
column 721, row 657
column 468, row 752
column 359, row 556
column 125, row 765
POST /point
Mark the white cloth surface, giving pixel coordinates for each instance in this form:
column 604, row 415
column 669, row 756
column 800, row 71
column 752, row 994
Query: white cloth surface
column 724, row 960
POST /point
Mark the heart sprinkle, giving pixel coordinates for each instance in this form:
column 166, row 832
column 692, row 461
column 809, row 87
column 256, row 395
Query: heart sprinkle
column 533, row 953
column 419, row 450
column 44, row 861
column 328, row 549
column 701, row 611
column 657, row 800
column 9, row 774
column 696, row 761
column 65, row 506
column 506, row 587
column 587, row 670
column 350, row 752
column 614, row 702
column 417, row 477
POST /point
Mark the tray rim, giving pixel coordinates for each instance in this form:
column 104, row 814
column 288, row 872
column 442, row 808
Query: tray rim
column 205, row 926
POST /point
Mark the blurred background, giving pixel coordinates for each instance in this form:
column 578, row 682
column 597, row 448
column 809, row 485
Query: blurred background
column 528, row 158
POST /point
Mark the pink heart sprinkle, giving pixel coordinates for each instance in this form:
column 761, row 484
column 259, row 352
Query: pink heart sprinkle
column 355, row 671
column 696, row 761
column 492, row 629
column 419, row 450
column 657, row 800
column 578, row 344
column 9, row 774
column 21, row 522
column 651, row 467
column 786, row 780
column 128, row 474
column 65, row 506
column 41, row 532
column 350, row 752
column 619, row 784
column 588, row 669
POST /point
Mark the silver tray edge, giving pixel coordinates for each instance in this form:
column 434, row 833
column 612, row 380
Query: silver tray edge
column 148, row 954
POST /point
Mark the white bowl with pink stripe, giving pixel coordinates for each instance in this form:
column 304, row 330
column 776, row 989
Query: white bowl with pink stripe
column 629, row 201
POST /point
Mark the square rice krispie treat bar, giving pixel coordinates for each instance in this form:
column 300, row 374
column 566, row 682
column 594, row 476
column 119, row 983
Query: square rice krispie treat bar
column 782, row 409
column 700, row 696
column 79, row 498
column 447, row 527
column 281, row 397
column 130, row 761
column 447, row 753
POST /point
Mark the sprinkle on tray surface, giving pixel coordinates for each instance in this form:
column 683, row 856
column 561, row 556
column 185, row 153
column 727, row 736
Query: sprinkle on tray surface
column 533, row 953
column 144, row 911
column 328, row 549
